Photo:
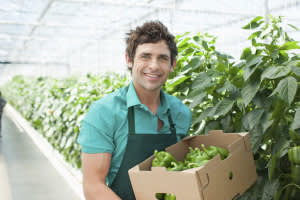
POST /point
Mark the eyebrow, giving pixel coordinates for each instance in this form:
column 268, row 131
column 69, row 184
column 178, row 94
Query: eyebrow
column 149, row 54
column 164, row 56
column 145, row 54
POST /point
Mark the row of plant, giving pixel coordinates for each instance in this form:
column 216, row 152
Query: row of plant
column 55, row 107
column 259, row 93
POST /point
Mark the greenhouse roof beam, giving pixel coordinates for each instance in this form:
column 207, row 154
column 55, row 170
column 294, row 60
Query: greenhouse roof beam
column 289, row 5
column 43, row 13
column 30, row 12
column 25, row 37
column 106, row 35
column 163, row 7
column 46, row 25
column 141, row 5
column 296, row 3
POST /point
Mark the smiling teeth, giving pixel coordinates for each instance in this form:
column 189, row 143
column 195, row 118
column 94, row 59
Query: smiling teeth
column 153, row 75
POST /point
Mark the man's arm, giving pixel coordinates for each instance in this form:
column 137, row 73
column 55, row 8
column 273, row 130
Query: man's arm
column 95, row 168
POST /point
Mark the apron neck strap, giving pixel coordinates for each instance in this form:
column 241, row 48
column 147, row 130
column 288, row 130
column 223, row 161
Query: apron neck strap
column 172, row 125
column 131, row 121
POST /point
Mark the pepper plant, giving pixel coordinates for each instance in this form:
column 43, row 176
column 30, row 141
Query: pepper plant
column 55, row 107
column 259, row 94
column 201, row 78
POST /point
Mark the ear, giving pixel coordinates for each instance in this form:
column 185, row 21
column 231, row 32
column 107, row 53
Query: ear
column 128, row 61
column 173, row 65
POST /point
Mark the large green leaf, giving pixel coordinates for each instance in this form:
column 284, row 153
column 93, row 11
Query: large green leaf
column 266, row 121
column 228, row 86
column 295, row 66
column 204, row 80
column 180, row 36
column 197, row 99
column 256, row 135
column 222, row 108
column 251, row 65
column 251, row 119
column 254, row 35
column 172, row 83
column 203, row 115
column 194, row 62
column 289, row 46
column 275, row 72
column 183, row 43
column 246, row 53
column 261, row 101
column 250, row 89
column 286, row 89
column 256, row 22
column 296, row 122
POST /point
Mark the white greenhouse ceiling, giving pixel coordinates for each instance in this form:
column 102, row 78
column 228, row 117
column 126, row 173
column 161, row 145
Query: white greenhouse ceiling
column 88, row 35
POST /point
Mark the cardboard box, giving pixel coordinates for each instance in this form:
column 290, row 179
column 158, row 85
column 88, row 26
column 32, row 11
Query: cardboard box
column 209, row 182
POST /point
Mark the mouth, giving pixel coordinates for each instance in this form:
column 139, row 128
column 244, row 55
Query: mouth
column 152, row 76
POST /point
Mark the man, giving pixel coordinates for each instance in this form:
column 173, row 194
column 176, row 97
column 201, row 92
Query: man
column 125, row 127
column 2, row 104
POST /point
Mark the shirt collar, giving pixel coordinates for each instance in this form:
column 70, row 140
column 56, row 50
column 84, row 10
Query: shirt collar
column 132, row 99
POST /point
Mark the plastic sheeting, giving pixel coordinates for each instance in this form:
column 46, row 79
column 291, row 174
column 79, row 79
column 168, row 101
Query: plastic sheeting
column 75, row 36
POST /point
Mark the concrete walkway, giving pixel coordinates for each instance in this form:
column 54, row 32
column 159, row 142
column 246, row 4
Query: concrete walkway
column 25, row 173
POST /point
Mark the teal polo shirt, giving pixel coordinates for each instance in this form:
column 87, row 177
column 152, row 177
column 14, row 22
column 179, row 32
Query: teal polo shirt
column 105, row 126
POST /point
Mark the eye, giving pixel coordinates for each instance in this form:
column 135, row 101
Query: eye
column 164, row 58
column 145, row 56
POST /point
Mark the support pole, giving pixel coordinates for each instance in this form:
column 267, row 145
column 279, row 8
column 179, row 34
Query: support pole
column 267, row 11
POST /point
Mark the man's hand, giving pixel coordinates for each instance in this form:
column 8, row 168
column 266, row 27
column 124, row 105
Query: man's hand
column 95, row 168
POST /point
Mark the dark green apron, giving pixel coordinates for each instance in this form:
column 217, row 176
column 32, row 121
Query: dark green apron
column 139, row 147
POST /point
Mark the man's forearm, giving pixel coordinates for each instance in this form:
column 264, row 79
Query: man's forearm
column 99, row 191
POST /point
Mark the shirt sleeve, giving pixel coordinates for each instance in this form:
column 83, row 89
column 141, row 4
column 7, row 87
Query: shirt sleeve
column 96, row 132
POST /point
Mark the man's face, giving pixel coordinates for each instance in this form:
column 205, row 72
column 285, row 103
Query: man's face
column 151, row 66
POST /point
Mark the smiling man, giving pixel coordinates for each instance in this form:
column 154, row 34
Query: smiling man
column 125, row 127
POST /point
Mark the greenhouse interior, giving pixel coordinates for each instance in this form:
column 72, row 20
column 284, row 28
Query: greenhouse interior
column 237, row 71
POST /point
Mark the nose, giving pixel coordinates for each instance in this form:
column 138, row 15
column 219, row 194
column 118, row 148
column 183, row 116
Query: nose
column 154, row 64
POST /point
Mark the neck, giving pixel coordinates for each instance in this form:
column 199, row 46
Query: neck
column 149, row 98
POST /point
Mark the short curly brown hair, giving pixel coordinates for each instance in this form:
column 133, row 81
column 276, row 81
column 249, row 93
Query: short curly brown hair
column 150, row 32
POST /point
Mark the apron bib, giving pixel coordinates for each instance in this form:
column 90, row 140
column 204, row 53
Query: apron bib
column 138, row 148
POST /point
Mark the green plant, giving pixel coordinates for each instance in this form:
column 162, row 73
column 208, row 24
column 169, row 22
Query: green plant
column 55, row 107
column 202, row 78
column 259, row 94
column 271, row 98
